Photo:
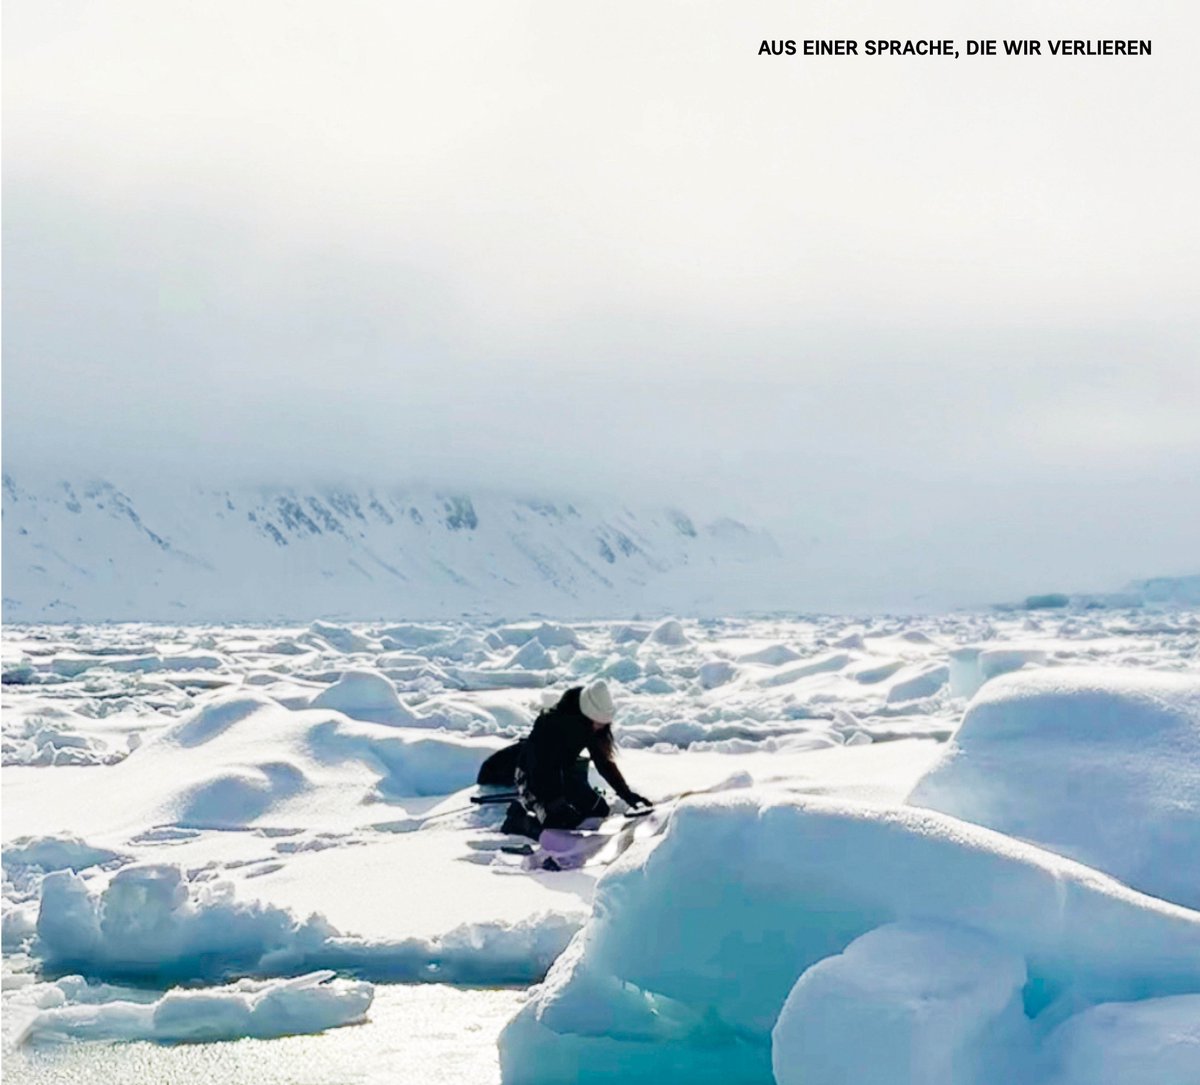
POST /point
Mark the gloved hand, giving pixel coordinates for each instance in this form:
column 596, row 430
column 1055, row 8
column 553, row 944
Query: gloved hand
column 635, row 800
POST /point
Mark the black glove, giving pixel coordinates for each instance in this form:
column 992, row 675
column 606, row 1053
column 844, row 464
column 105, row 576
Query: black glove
column 635, row 800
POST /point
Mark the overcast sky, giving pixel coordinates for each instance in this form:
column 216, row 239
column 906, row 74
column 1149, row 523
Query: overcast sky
column 933, row 321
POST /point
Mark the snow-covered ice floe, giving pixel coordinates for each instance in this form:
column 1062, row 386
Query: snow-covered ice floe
column 1101, row 764
column 819, row 937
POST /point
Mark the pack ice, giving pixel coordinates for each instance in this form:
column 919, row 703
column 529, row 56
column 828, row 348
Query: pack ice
column 213, row 832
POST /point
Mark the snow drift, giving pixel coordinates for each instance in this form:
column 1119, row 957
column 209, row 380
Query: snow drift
column 1100, row 764
column 365, row 695
column 238, row 759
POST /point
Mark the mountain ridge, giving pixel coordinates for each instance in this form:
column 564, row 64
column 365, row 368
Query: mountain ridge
column 90, row 550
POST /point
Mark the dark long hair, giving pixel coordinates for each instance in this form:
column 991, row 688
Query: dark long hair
column 604, row 742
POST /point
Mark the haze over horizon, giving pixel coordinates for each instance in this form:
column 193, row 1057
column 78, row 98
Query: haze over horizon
column 931, row 322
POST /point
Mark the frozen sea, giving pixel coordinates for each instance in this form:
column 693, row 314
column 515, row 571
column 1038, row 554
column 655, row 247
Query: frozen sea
column 235, row 851
column 426, row 1035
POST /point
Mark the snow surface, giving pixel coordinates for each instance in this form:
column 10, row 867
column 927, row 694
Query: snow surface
column 221, row 809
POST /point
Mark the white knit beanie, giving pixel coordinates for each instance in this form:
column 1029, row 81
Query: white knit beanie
column 596, row 703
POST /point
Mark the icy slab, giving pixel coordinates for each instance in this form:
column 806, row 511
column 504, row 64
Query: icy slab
column 481, row 679
column 150, row 922
column 412, row 635
column 905, row 1004
column 547, row 634
column 71, row 665
column 833, row 661
column 693, row 947
column 1101, row 764
column 153, row 923
column 305, row 1004
column 972, row 666
column 341, row 637
column 532, row 656
column 925, row 683
column 716, row 672
column 17, row 925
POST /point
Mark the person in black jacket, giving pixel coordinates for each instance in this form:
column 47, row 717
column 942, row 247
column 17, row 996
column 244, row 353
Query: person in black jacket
column 553, row 794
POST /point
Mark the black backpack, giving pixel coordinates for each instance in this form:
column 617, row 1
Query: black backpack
column 500, row 770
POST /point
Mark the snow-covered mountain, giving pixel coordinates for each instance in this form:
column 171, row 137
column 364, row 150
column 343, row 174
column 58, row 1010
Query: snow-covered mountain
column 94, row 551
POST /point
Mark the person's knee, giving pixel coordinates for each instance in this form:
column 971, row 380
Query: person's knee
column 561, row 814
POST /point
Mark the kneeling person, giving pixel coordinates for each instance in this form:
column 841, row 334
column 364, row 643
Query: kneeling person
column 553, row 794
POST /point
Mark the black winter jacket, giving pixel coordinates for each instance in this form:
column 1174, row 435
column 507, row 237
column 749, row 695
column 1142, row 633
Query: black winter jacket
column 560, row 734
